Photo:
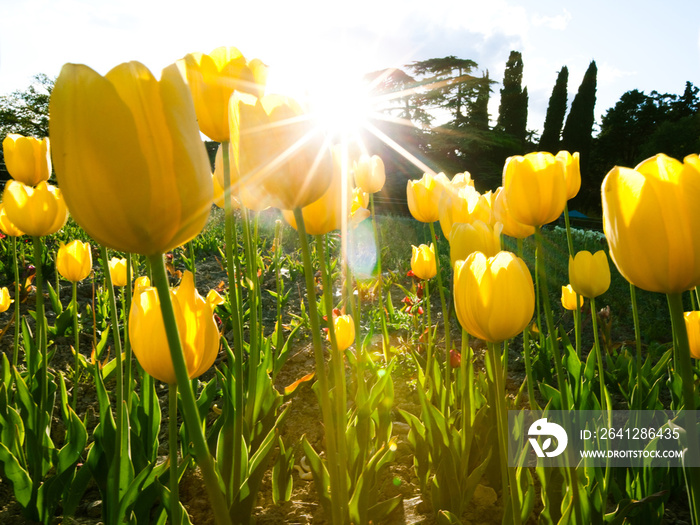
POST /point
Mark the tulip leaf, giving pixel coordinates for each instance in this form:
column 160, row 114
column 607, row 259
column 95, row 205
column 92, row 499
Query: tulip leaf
column 288, row 390
column 18, row 476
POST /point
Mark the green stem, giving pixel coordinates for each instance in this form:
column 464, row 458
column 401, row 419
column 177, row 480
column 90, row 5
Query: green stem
column 569, row 242
column 15, row 354
column 189, row 406
column 76, row 348
column 190, row 249
column 119, row 387
column 599, row 357
column 681, row 350
column 577, row 325
column 126, row 296
column 380, row 283
column 279, row 285
column 337, row 364
column 175, row 518
column 638, row 343
column 526, row 351
column 326, row 413
column 254, row 330
column 446, row 319
column 429, row 352
column 233, row 271
column 507, row 474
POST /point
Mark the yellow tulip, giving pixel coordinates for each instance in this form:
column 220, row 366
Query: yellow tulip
column 5, row 300
column 424, row 196
column 129, row 157
column 276, row 146
column 141, row 283
column 568, row 298
column 572, row 172
column 494, row 296
column 195, row 323
column 423, row 264
column 6, row 225
column 589, row 273
column 466, row 238
column 214, row 299
column 36, row 211
column 511, row 227
column 27, row 159
column 534, row 188
column 692, row 325
column 370, row 175
column 651, row 219
column 325, row 214
column 344, row 328
column 74, row 260
column 213, row 78
column 253, row 196
column 463, row 205
column 117, row 271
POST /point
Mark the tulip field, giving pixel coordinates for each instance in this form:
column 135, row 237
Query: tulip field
column 248, row 341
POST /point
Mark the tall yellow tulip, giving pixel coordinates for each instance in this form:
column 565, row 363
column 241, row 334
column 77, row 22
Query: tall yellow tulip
column 424, row 196
column 535, row 188
column 692, row 326
column 74, row 260
column 36, row 211
column 213, row 78
column 589, row 273
column 276, row 146
column 423, row 263
column 5, row 300
column 370, row 175
column 129, row 157
column 651, row 219
column 28, row 159
column 196, row 325
column 6, row 224
column 568, row 298
column 494, row 296
column 572, row 172
column 467, row 238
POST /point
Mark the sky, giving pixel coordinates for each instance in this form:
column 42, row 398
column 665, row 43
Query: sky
column 643, row 44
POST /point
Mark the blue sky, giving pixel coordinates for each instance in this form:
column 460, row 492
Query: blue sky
column 643, row 44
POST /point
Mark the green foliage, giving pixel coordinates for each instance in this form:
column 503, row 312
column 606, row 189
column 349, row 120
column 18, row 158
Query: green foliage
column 512, row 112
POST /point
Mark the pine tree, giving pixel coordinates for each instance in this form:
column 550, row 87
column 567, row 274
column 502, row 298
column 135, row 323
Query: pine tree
column 512, row 111
column 556, row 110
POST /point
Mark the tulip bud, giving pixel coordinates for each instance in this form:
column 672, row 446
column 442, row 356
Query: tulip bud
column 692, row 325
column 424, row 196
column 117, row 272
column 27, row 159
column 5, row 300
column 74, row 260
column 534, row 188
column 511, row 227
column 572, row 172
column 568, row 298
column 344, row 328
column 478, row 236
column 589, row 273
column 463, row 205
column 494, row 296
column 423, row 263
column 36, row 211
column 369, row 173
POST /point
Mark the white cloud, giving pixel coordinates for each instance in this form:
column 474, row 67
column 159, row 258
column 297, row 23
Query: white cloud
column 557, row 22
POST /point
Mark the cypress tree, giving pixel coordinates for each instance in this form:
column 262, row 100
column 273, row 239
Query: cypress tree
column 556, row 110
column 512, row 111
column 578, row 129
